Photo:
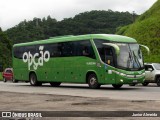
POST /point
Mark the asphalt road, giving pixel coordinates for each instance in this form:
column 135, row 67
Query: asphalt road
column 139, row 92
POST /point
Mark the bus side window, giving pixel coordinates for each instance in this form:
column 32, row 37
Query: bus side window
column 53, row 50
column 18, row 52
column 86, row 49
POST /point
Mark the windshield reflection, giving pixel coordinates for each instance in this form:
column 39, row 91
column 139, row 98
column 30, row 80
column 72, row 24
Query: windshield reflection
column 130, row 56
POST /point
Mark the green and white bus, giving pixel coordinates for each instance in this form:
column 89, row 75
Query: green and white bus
column 95, row 59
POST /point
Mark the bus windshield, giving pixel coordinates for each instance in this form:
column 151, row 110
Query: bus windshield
column 130, row 56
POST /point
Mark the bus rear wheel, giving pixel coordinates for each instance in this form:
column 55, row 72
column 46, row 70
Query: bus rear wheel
column 93, row 81
column 55, row 84
column 33, row 80
column 117, row 86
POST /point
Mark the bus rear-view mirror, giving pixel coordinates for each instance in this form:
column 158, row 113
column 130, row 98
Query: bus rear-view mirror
column 147, row 48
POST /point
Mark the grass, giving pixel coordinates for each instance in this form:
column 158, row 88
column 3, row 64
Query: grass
column 146, row 30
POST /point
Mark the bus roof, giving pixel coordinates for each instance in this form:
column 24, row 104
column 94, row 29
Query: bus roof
column 110, row 37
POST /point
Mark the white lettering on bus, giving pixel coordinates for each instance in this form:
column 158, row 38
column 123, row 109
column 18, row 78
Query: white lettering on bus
column 28, row 57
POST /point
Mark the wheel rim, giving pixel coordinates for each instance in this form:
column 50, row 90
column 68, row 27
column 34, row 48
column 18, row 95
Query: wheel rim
column 32, row 80
column 93, row 81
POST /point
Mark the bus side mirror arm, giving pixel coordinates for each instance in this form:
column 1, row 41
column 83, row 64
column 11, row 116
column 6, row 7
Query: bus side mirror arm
column 147, row 48
column 116, row 47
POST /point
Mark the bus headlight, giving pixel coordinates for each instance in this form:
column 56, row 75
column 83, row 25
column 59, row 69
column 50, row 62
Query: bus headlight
column 121, row 80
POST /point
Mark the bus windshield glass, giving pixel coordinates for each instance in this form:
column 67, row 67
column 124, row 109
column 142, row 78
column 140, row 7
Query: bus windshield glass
column 130, row 56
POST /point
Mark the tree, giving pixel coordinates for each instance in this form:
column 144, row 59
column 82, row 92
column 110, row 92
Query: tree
column 5, row 50
column 84, row 23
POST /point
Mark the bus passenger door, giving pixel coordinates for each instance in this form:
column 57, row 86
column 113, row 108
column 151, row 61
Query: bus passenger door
column 110, row 76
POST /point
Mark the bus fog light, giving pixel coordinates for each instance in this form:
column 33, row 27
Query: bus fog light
column 121, row 80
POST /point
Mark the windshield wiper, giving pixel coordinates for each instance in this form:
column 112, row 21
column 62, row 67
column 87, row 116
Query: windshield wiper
column 136, row 60
column 129, row 59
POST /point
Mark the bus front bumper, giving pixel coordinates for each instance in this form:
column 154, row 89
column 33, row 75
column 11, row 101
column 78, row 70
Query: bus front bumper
column 129, row 79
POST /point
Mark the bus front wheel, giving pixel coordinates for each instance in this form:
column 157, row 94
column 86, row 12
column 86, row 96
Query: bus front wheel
column 117, row 86
column 93, row 81
column 33, row 80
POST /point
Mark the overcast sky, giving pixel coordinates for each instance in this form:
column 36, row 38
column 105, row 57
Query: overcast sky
column 14, row 11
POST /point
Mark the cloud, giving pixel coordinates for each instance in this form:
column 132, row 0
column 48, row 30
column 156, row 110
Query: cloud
column 14, row 11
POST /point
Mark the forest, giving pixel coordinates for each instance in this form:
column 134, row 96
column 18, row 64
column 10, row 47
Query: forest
column 84, row 23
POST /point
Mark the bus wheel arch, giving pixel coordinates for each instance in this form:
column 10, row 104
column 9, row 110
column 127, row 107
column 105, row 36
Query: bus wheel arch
column 92, row 80
column 33, row 79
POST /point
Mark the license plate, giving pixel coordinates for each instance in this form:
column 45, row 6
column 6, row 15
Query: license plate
column 135, row 81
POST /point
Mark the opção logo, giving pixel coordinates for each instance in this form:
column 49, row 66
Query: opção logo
column 44, row 57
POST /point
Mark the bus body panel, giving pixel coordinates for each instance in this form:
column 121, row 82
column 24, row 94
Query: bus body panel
column 74, row 69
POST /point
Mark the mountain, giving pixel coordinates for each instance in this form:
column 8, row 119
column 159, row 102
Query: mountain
column 83, row 23
column 146, row 30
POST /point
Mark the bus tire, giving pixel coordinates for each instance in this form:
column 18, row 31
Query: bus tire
column 93, row 81
column 145, row 83
column 55, row 84
column 158, row 81
column 117, row 86
column 33, row 80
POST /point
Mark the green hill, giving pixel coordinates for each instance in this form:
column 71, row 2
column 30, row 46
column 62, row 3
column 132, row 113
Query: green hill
column 146, row 30
column 5, row 50
column 83, row 23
